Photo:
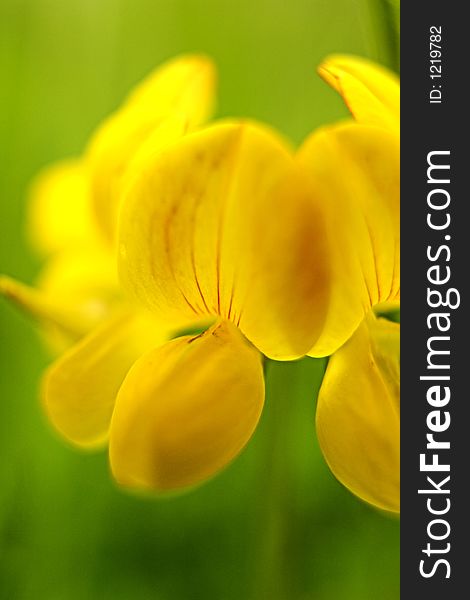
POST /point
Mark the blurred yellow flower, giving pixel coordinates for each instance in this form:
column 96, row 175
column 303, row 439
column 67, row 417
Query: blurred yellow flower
column 77, row 285
column 73, row 210
column 358, row 413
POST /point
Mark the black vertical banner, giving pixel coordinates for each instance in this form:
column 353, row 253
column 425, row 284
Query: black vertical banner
column 435, row 358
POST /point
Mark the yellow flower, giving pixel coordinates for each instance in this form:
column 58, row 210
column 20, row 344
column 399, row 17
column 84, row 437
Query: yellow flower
column 358, row 165
column 221, row 225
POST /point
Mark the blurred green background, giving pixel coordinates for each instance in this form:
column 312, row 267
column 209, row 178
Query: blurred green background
column 275, row 524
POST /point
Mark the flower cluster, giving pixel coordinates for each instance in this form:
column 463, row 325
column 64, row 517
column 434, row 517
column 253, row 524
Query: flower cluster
column 169, row 224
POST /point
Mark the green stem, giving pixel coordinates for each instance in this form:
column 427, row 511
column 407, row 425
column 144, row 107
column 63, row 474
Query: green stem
column 287, row 427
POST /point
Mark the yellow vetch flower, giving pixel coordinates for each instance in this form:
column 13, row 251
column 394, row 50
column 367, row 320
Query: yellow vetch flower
column 287, row 254
column 358, row 405
column 224, row 225
column 192, row 242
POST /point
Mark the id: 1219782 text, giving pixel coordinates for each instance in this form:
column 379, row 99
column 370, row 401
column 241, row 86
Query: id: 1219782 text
column 435, row 64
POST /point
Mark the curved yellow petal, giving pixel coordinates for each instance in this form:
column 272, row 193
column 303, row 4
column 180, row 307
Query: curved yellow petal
column 174, row 99
column 60, row 321
column 371, row 92
column 83, row 280
column 84, row 277
column 184, row 85
column 224, row 223
column 185, row 410
column 79, row 389
column 60, row 213
column 356, row 172
column 358, row 415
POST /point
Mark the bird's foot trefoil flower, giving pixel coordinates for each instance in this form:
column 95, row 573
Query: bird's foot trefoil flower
column 221, row 225
column 225, row 229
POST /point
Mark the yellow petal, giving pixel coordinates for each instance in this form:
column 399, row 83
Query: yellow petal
column 82, row 280
column 65, row 321
column 356, row 173
column 185, row 410
column 371, row 92
column 60, row 214
column 79, row 389
column 358, row 415
column 225, row 223
column 184, row 85
column 174, row 99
